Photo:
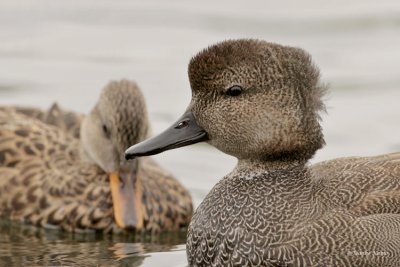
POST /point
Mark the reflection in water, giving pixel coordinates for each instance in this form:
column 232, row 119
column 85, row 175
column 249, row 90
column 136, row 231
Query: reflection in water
column 126, row 250
column 23, row 245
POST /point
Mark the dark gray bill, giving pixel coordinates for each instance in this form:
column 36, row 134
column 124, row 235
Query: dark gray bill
column 184, row 132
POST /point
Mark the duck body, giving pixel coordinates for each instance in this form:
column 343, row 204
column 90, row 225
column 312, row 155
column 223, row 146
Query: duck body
column 320, row 215
column 47, row 179
column 260, row 102
column 66, row 121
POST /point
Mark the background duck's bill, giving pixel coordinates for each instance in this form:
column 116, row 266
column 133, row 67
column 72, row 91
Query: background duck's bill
column 184, row 132
column 126, row 194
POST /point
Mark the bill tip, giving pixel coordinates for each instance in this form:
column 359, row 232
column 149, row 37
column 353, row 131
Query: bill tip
column 129, row 154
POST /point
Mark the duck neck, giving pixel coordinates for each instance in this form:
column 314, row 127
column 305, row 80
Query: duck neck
column 285, row 178
column 263, row 166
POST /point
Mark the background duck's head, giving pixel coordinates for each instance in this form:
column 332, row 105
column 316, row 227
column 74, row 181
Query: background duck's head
column 253, row 99
column 118, row 119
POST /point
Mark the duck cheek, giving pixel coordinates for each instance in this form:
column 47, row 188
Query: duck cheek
column 106, row 158
column 242, row 142
column 231, row 148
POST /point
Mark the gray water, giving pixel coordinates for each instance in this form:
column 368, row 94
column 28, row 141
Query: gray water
column 66, row 51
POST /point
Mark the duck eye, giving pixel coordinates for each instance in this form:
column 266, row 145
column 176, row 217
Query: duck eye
column 105, row 130
column 234, row 90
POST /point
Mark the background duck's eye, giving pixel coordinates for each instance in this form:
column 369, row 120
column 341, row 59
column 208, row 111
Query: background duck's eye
column 234, row 90
column 105, row 130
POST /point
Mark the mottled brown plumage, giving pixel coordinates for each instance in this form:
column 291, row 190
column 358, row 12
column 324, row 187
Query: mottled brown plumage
column 274, row 209
column 51, row 178
column 67, row 121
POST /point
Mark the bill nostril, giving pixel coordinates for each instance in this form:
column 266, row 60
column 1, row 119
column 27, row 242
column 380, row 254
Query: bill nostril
column 182, row 124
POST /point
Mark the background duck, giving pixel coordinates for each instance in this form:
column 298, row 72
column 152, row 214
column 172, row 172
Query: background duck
column 260, row 102
column 51, row 178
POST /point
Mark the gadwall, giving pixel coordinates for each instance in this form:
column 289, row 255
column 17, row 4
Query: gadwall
column 64, row 170
column 259, row 102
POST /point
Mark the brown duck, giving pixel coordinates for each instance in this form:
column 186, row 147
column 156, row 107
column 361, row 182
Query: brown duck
column 260, row 102
column 64, row 170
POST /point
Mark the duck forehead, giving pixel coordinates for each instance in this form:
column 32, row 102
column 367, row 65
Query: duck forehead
column 121, row 101
column 129, row 125
column 226, row 64
column 241, row 74
column 215, row 62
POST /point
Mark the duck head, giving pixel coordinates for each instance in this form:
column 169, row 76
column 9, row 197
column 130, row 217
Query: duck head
column 118, row 119
column 250, row 99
